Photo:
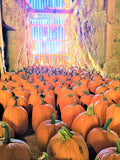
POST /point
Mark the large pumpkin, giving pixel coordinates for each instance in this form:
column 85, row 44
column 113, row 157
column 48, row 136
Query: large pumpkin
column 67, row 145
column 13, row 149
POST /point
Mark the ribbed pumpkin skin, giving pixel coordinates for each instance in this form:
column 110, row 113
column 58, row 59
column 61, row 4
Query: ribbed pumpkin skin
column 108, row 154
column 17, row 150
column 69, row 113
column 74, row 148
column 83, row 123
column 101, row 139
column 17, row 118
column 41, row 113
column 45, row 131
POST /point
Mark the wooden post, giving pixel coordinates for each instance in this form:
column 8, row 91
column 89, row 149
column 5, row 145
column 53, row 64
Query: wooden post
column 2, row 67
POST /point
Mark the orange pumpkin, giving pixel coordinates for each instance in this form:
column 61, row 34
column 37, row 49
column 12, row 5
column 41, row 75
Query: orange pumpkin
column 19, row 100
column 41, row 113
column 46, row 130
column 85, row 121
column 67, row 145
column 71, row 111
column 101, row 138
column 13, row 149
column 100, row 108
column 17, row 118
column 110, row 153
column 67, row 100
column 114, row 112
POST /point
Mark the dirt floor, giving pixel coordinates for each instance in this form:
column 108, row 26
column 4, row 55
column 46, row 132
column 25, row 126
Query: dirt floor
column 30, row 139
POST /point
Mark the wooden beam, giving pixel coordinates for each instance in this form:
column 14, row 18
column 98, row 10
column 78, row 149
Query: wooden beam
column 47, row 10
column 46, row 25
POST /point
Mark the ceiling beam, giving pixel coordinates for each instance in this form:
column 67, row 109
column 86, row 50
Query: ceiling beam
column 47, row 10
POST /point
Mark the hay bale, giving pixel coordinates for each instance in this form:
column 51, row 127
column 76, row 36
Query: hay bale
column 112, row 66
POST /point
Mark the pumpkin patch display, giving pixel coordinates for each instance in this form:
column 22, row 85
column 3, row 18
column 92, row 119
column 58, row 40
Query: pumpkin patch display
column 67, row 145
column 46, row 130
column 13, row 148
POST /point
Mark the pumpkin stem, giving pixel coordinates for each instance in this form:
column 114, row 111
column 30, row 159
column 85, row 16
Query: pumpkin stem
column 4, row 87
column 90, row 109
column 70, row 94
column 104, row 98
column 106, row 126
column 53, row 119
column 87, row 93
column 42, row 101
column 44, row 156
column 118, row 145
column 75, row 102
column 118, row 105
column 64, row 133
column 7, row 132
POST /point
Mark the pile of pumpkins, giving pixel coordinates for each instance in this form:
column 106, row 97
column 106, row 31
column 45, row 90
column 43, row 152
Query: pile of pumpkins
column 75, row 113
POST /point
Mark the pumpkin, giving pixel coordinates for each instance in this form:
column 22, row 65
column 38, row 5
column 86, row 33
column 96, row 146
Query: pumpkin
column 36, row 99
column 85, row 121
column 101, row 89
column 13, row 149
column 101, row 138
column 5, row 94
column 20, row 91
column 71, row 111
column 113, row 95
column 2, row 131
column 100, row 108
column 46, row 130
column 79, row 88
column 5, row 76
column 93, row 84
column 41, row 113
column 67, row 100
column 114, row 112
column 21, row 101
column 17, row 118
column 110, row 153
column 86, row 99
column 67, row 145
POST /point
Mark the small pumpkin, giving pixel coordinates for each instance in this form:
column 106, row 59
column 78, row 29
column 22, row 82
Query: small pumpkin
column 67, row 145
column 110, row 153
column 13, row 149
column 46, row 130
